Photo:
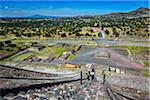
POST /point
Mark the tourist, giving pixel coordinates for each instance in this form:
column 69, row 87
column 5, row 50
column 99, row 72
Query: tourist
column 88, row 67
column 88, row 76
column 109, row 69
column 93, row 73
column 104, row 76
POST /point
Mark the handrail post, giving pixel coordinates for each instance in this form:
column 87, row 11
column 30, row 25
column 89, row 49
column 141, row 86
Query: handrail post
column 81, row 77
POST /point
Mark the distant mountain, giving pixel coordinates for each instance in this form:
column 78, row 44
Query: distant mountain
column 43, row 16
column 140, row 12
column 35, row 16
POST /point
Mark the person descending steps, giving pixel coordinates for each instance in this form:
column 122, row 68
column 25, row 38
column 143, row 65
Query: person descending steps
column 88, row 67
column 93, row 73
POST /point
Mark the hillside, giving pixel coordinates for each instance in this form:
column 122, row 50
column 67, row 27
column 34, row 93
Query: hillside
column 140, row 12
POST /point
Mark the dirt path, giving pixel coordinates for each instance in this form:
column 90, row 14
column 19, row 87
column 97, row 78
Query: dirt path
column 87, row 55
column 121, row 60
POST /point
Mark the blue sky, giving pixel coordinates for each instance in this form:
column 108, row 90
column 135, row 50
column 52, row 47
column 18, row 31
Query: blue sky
column 68, row 8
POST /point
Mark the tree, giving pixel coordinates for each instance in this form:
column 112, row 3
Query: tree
column 1, row 45
column 107, row 32
column 91, row 30
column 77, row 34
column 69, row 33
column 63, row 35
column 13, row 45
column 8, row 42
column 48, row 35
column 87, row 34
column 135, row 33
column 116, row 34
column 127, row 32
column 146, row 30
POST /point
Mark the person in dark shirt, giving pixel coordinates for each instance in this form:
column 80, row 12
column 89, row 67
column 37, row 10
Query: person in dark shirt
column 93, row 73
column 104, row 76
column 88, row 66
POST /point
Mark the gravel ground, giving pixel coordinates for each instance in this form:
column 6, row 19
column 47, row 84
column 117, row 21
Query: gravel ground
column 127, row 80
column 89, row 90
column 130, row 83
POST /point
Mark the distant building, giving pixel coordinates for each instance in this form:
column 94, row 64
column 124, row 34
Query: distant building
column 101, row 32
column 95, row 29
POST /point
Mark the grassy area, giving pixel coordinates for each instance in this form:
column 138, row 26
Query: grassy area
column 54, row 51
column 143, row 42
column 137, row 49
column 58, row 50
column 45, row 66
column 146, row 72
column 5, row 52
column 71, row 56
column 146, row 63
column 134, row 49
column 23, row 56
column 25, row 40
column 90, row 42
column 44, row 52
column 61, row 68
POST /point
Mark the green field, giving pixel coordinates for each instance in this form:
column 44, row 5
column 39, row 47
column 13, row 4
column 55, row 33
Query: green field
column 58, row 51
column 134, row 49
column 71, row 56
column 25, row 40
column 146, row 72
column 43, row 53
column 146, row 63
column 46, row 52
column 23, row 56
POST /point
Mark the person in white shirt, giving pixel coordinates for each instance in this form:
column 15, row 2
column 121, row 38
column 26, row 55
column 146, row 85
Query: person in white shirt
column 88, row 67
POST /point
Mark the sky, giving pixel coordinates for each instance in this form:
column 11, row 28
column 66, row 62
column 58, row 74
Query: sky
column 15, row 8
